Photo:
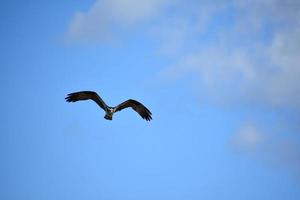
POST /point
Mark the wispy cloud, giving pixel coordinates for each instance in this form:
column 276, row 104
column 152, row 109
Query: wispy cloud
column 248, row 50
column 106, row 18
column 277, row 148
column 249, row 140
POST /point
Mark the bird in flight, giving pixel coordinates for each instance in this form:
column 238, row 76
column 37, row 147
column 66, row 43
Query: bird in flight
column 109, row 111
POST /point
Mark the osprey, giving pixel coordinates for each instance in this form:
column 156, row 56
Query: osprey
column 90, row 95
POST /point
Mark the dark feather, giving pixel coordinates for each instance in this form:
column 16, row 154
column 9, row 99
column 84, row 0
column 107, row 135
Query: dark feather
column 137, row 106
column 86, row 95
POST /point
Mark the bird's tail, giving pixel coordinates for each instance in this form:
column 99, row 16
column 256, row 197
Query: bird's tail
column 108, row 117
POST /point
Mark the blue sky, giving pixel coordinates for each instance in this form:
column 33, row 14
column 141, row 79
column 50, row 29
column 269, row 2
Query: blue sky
column 221, row 79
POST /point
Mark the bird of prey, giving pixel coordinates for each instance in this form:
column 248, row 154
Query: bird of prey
column 109, row 111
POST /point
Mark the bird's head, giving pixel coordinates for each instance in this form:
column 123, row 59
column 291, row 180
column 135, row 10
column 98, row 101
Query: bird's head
column 110, row 109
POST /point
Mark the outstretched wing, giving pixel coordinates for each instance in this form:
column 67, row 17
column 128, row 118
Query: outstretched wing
column 137, row 106
column 86, row 95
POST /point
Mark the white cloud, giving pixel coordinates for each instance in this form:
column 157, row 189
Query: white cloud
column 284, row 55
column 253, row 58
column 106, row 17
